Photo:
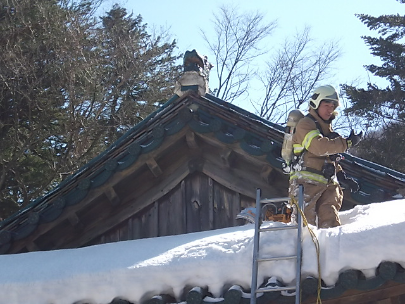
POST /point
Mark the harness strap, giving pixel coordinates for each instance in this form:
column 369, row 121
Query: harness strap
column 317, row 124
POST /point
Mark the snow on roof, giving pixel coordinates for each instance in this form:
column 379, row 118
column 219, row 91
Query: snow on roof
column 369, row 235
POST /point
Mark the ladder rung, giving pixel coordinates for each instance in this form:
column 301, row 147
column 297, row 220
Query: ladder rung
column 264, row 289
column 278, row 228
column 274, row 200
column 289, row 257
column 261, row 227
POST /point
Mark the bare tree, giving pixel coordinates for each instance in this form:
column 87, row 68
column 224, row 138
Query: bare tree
column 291, row 75
column 236, row 44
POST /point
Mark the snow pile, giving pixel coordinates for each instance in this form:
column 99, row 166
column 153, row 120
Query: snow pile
column 369, row 235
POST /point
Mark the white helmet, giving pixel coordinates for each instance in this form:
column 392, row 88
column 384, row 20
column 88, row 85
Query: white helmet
column 327, row 93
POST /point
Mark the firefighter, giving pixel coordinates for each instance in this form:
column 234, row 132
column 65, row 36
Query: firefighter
column 316, row 148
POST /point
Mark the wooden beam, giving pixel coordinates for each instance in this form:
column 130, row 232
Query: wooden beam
column 242, row 181
column 191, row 140
column 401, row 191
column 265, row 173
column 32, row 246
column 112, row 196
column 211, row 203
column 227, row 157
column 154, row 167
column 235, row 147
column 73, row 219
column 386, row 301
column 183, row 198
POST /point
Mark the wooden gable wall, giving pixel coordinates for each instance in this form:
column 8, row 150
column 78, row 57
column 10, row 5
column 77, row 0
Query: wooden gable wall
column 191, row 182
column 198, row 203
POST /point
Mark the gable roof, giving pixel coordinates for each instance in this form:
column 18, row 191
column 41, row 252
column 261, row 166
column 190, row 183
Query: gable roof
column 225, row 123
column 233, row 133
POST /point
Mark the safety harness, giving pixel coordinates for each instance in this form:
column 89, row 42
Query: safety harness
column 298, row 171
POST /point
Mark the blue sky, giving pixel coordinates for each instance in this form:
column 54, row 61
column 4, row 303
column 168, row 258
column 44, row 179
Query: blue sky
column 329, row 20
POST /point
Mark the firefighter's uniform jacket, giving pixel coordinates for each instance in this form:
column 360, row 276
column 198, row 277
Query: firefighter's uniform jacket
column 322, row 194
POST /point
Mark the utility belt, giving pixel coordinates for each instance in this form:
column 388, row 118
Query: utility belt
column 324, row 176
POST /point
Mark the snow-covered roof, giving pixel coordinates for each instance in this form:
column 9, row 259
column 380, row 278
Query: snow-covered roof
column 135, row 270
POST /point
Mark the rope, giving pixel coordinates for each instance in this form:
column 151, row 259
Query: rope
column 316, row 243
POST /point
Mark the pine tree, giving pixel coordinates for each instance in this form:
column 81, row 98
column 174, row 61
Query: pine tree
column 383, row 104
column 31, row 41
column 382, row 108
column 70, row 85
column 384, row 146
column 138, row 68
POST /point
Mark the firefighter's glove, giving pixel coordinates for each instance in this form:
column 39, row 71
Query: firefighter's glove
column 336, row 157
column 347, row 182
column 353, row 139
column 333, row 135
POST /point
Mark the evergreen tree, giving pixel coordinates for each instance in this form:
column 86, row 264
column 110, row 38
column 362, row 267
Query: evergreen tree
column 138, row 71
column 70, row 86
column 382, row 108
column 384, row 146
column 31, row 45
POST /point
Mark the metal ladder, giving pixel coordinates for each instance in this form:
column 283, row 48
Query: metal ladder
column 257, row 258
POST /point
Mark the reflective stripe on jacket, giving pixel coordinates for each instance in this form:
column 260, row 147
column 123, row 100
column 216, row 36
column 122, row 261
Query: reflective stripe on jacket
column 308, row 175
column 299, row 148
column 317, row 147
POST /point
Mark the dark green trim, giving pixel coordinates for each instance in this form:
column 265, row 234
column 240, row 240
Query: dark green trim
column 200, row 121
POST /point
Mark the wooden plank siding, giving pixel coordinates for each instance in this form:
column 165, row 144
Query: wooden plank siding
column 197, row 204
